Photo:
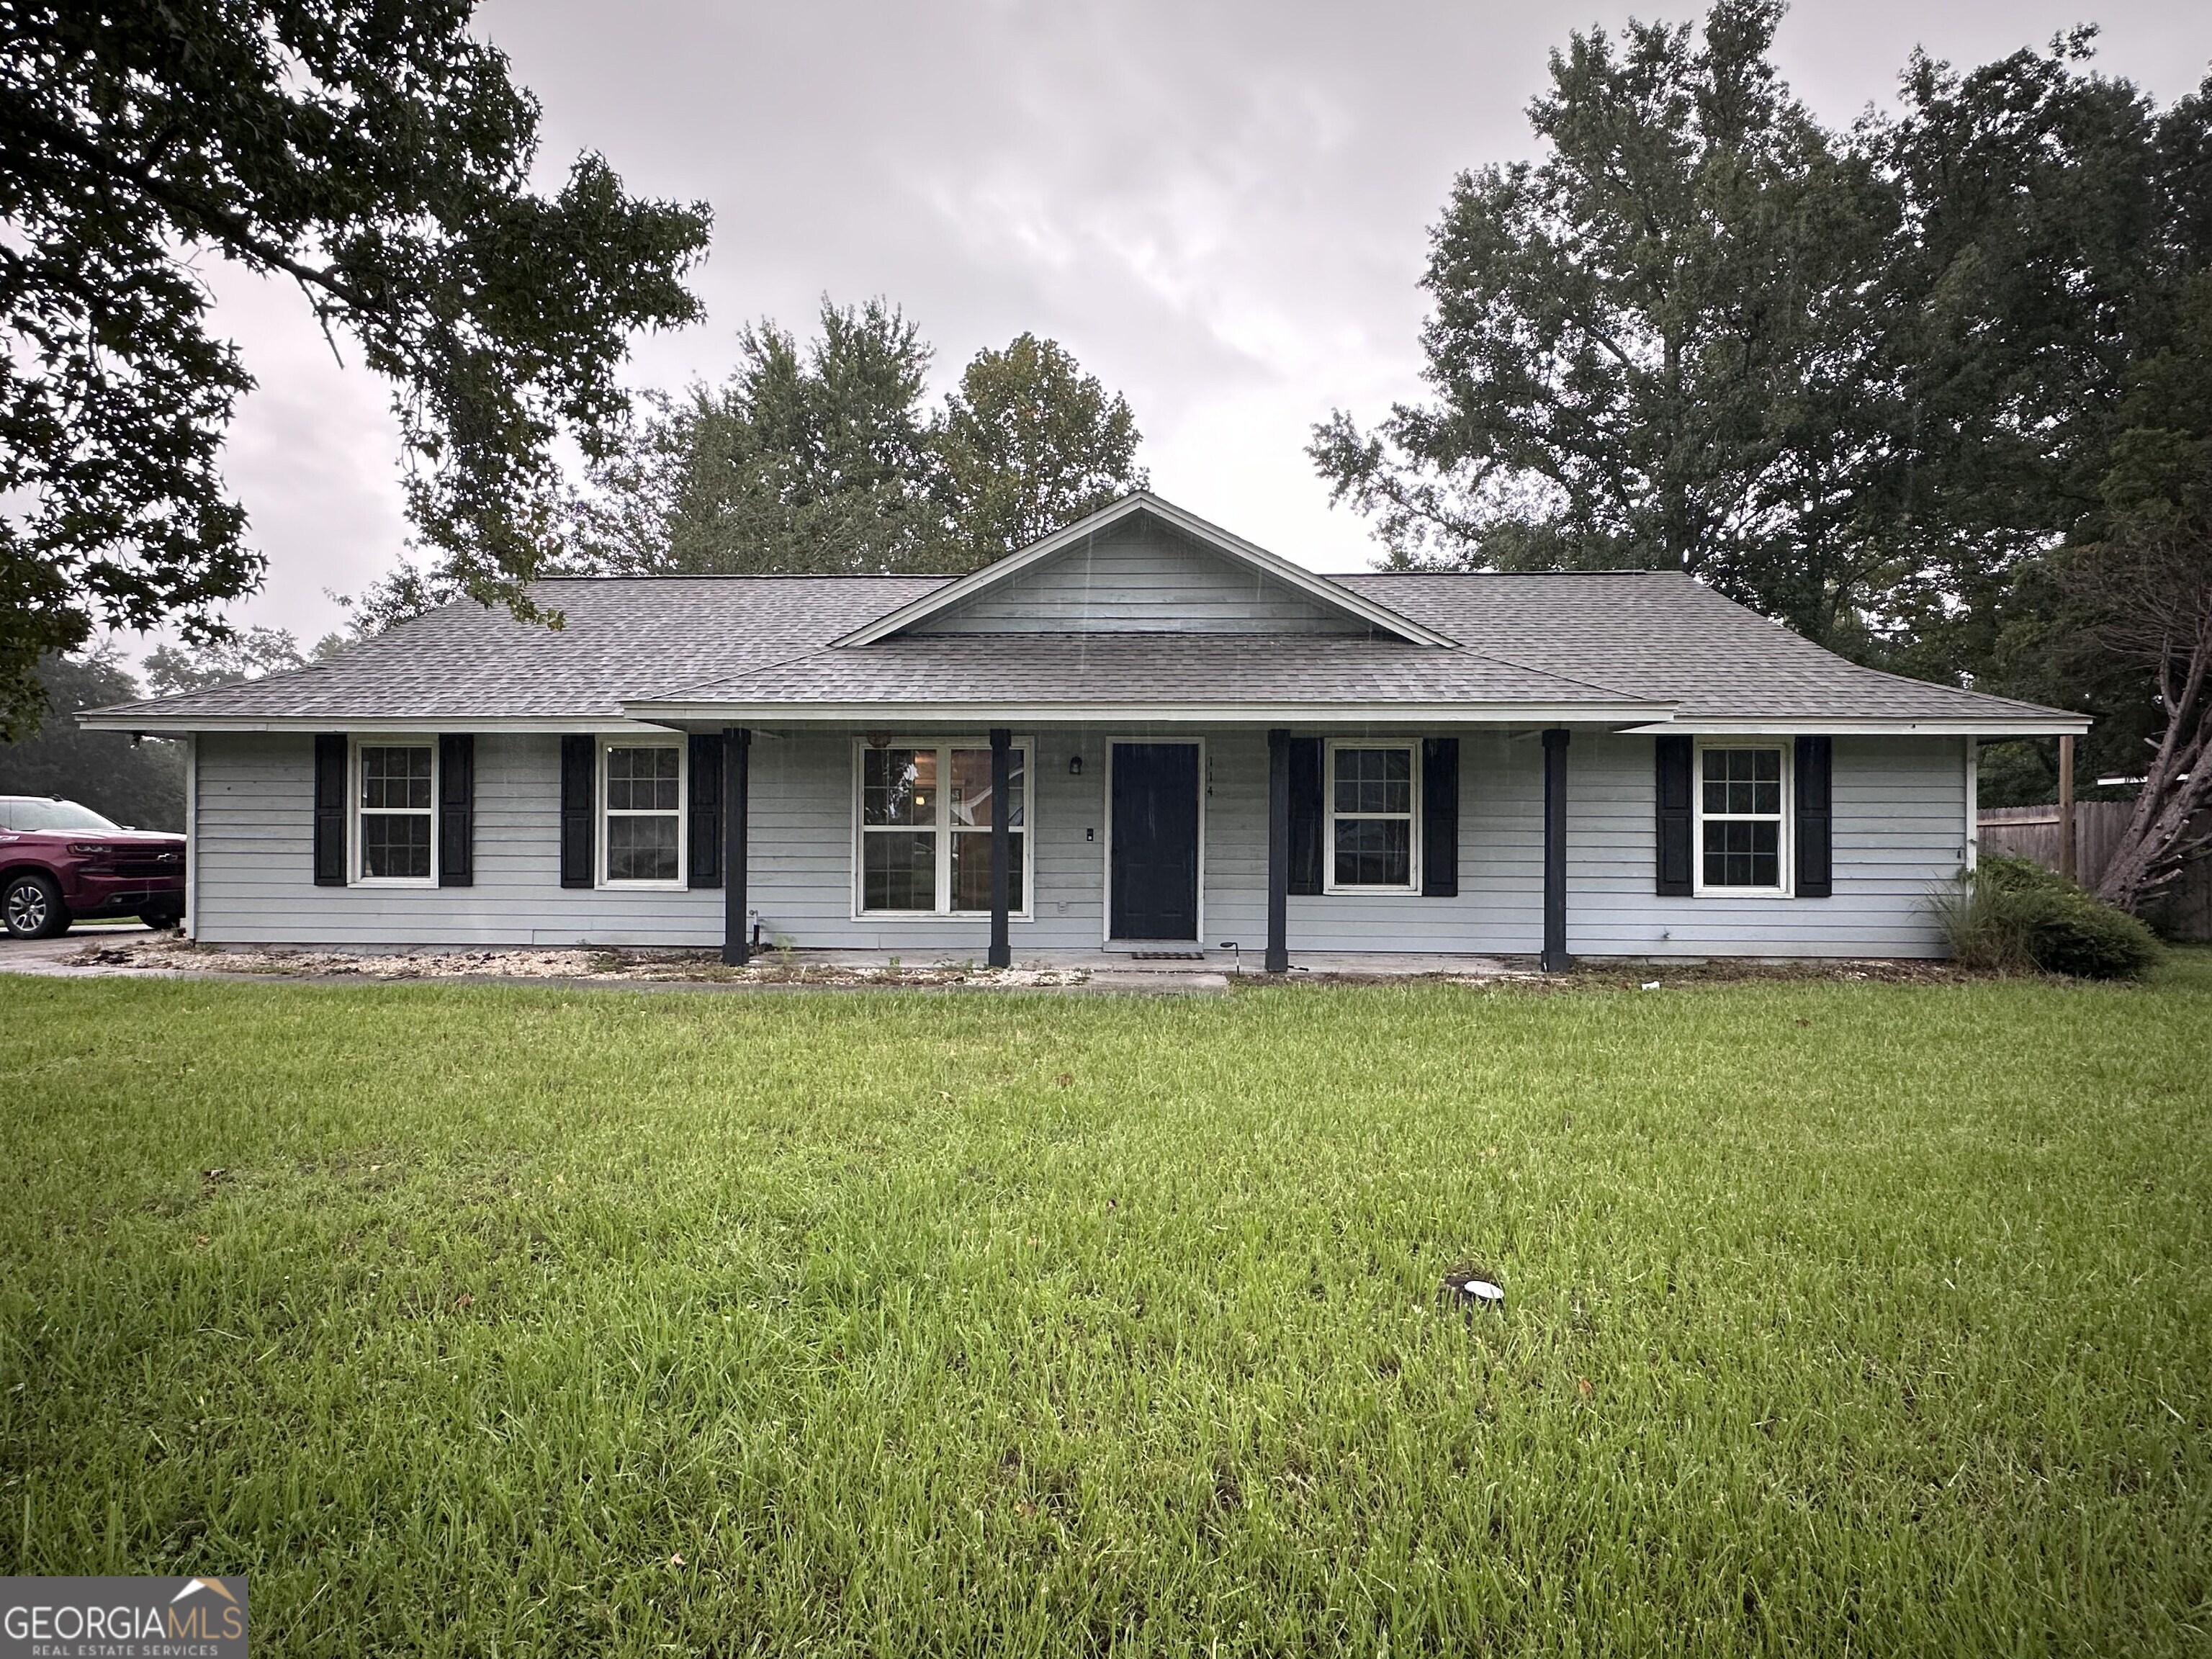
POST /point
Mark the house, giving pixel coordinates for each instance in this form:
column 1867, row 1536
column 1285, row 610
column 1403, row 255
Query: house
column 1142, row 734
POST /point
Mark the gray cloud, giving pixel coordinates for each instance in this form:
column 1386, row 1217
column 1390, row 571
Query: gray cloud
column 1221, row 208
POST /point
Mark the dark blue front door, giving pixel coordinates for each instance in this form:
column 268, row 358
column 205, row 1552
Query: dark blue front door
column 1154, row 867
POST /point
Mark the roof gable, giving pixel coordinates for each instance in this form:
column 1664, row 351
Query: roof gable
column 1143, row 567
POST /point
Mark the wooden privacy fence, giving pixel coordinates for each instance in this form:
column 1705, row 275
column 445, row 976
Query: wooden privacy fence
column 2183, row 911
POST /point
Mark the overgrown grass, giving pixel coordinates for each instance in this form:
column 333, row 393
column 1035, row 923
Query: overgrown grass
column 1857, row 1318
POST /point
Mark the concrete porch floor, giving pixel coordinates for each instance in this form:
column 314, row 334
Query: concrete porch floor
column 1167, row 961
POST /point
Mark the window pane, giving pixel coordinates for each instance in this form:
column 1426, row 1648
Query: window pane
column 898, row 872
column 395, row 843
column 1743, row 781
column 1747, row 854
column 641, row 779
column 899, row 785
column 393, row 775
column 971, row 788
column 1374, row 780
column 1374, row 852
column 971, row 870
column 641, row 849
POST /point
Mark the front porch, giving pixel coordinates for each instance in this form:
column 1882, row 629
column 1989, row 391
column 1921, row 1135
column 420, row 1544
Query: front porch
column 1241, row 846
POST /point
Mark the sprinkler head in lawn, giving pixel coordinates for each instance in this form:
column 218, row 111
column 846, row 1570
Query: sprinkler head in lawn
column 1473, row 1288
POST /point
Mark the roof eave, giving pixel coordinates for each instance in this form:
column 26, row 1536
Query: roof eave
column 1107, row 712
column 184, row 726
column 1971, row 725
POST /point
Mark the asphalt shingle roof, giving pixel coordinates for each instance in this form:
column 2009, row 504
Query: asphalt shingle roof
column 1658, row 633
column 1593, row 638
column 1076, row 668
column 625, row 637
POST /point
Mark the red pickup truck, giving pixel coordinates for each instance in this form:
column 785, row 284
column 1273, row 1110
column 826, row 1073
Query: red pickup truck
column 61, row 862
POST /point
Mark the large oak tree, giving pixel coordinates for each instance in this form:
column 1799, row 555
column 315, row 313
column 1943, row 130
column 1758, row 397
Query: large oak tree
column 374, row 152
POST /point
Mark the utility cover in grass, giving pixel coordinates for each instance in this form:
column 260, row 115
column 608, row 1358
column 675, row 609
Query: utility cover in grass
column 1474, row 1287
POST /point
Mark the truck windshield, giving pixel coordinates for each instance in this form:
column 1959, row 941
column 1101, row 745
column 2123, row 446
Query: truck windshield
column 21, row 812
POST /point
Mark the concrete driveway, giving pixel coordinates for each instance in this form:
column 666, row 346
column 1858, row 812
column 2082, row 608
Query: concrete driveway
column 49, row 956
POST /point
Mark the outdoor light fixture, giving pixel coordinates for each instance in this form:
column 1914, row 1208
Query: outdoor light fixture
column 1075, row 766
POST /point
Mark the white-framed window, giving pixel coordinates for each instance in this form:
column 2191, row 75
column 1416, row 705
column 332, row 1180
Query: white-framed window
column 394, row 818
column 1373, row 828
column 1743, row 818
column 641, row 811
column 923, row 813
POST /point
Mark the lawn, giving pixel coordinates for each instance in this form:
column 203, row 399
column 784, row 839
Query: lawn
column 1842, row 1317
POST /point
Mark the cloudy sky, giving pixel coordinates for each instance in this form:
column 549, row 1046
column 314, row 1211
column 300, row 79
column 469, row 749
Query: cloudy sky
column 1221, row 208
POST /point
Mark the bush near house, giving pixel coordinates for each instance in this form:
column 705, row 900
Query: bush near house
column 2014, row 916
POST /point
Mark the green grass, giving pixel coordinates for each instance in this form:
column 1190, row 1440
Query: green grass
column 1843, row 1317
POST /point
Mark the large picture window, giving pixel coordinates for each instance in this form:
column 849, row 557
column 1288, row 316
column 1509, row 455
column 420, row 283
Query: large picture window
column 1742, row 805
column 642, row 787
column 1370, row 818
column 926, row 816
column 395, row 798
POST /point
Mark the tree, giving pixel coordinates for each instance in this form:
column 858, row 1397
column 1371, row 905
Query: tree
column 1031, row 443
column 2037, row 258
column 378, row 156
column 240, row 654
column 133, row 782
column 825, row 457
column 2140, row 597
column 1651, row 348
column 1854, row 381
column 398, row 595
column 809, row 458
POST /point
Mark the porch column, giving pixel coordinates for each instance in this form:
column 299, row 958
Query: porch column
column 1554, row 959
column 1002, row 843
column 737, row 757
column 1279, row 852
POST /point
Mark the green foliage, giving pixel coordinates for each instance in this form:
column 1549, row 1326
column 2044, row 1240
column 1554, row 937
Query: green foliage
column 379, row 156
column 2014, row 916
column 1840, row 1318
column 2122, row 617
column 825, row 456
column 1852, row 380
column 1635, row 346
column 1029, row 443
column 244, row 654
column 140, row 784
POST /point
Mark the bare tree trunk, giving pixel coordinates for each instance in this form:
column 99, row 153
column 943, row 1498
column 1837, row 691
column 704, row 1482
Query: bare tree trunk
column 2177, row 786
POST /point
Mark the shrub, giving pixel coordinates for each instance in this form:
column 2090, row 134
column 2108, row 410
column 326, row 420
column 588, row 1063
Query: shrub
column 2012, row 916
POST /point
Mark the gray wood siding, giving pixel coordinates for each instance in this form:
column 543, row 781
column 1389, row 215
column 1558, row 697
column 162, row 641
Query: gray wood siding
column 255, row 884
column 1140, row 578
column 1899, row 824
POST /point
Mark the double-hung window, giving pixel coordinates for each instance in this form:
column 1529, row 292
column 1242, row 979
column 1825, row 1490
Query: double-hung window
column 396, row 788
column 1370, row 818
column 926, row 816
column 1742, row 796
column 642, row 787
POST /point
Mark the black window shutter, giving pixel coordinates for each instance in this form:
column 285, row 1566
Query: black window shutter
column 329, row 809
column 1308, row 820
column 1677, row 858
column 706, row 816
column 1816, row 874
column 457, row 810
column 579, row 799
column 1440, row 817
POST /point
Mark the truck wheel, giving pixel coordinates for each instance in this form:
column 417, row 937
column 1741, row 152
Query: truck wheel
column 31, row 907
